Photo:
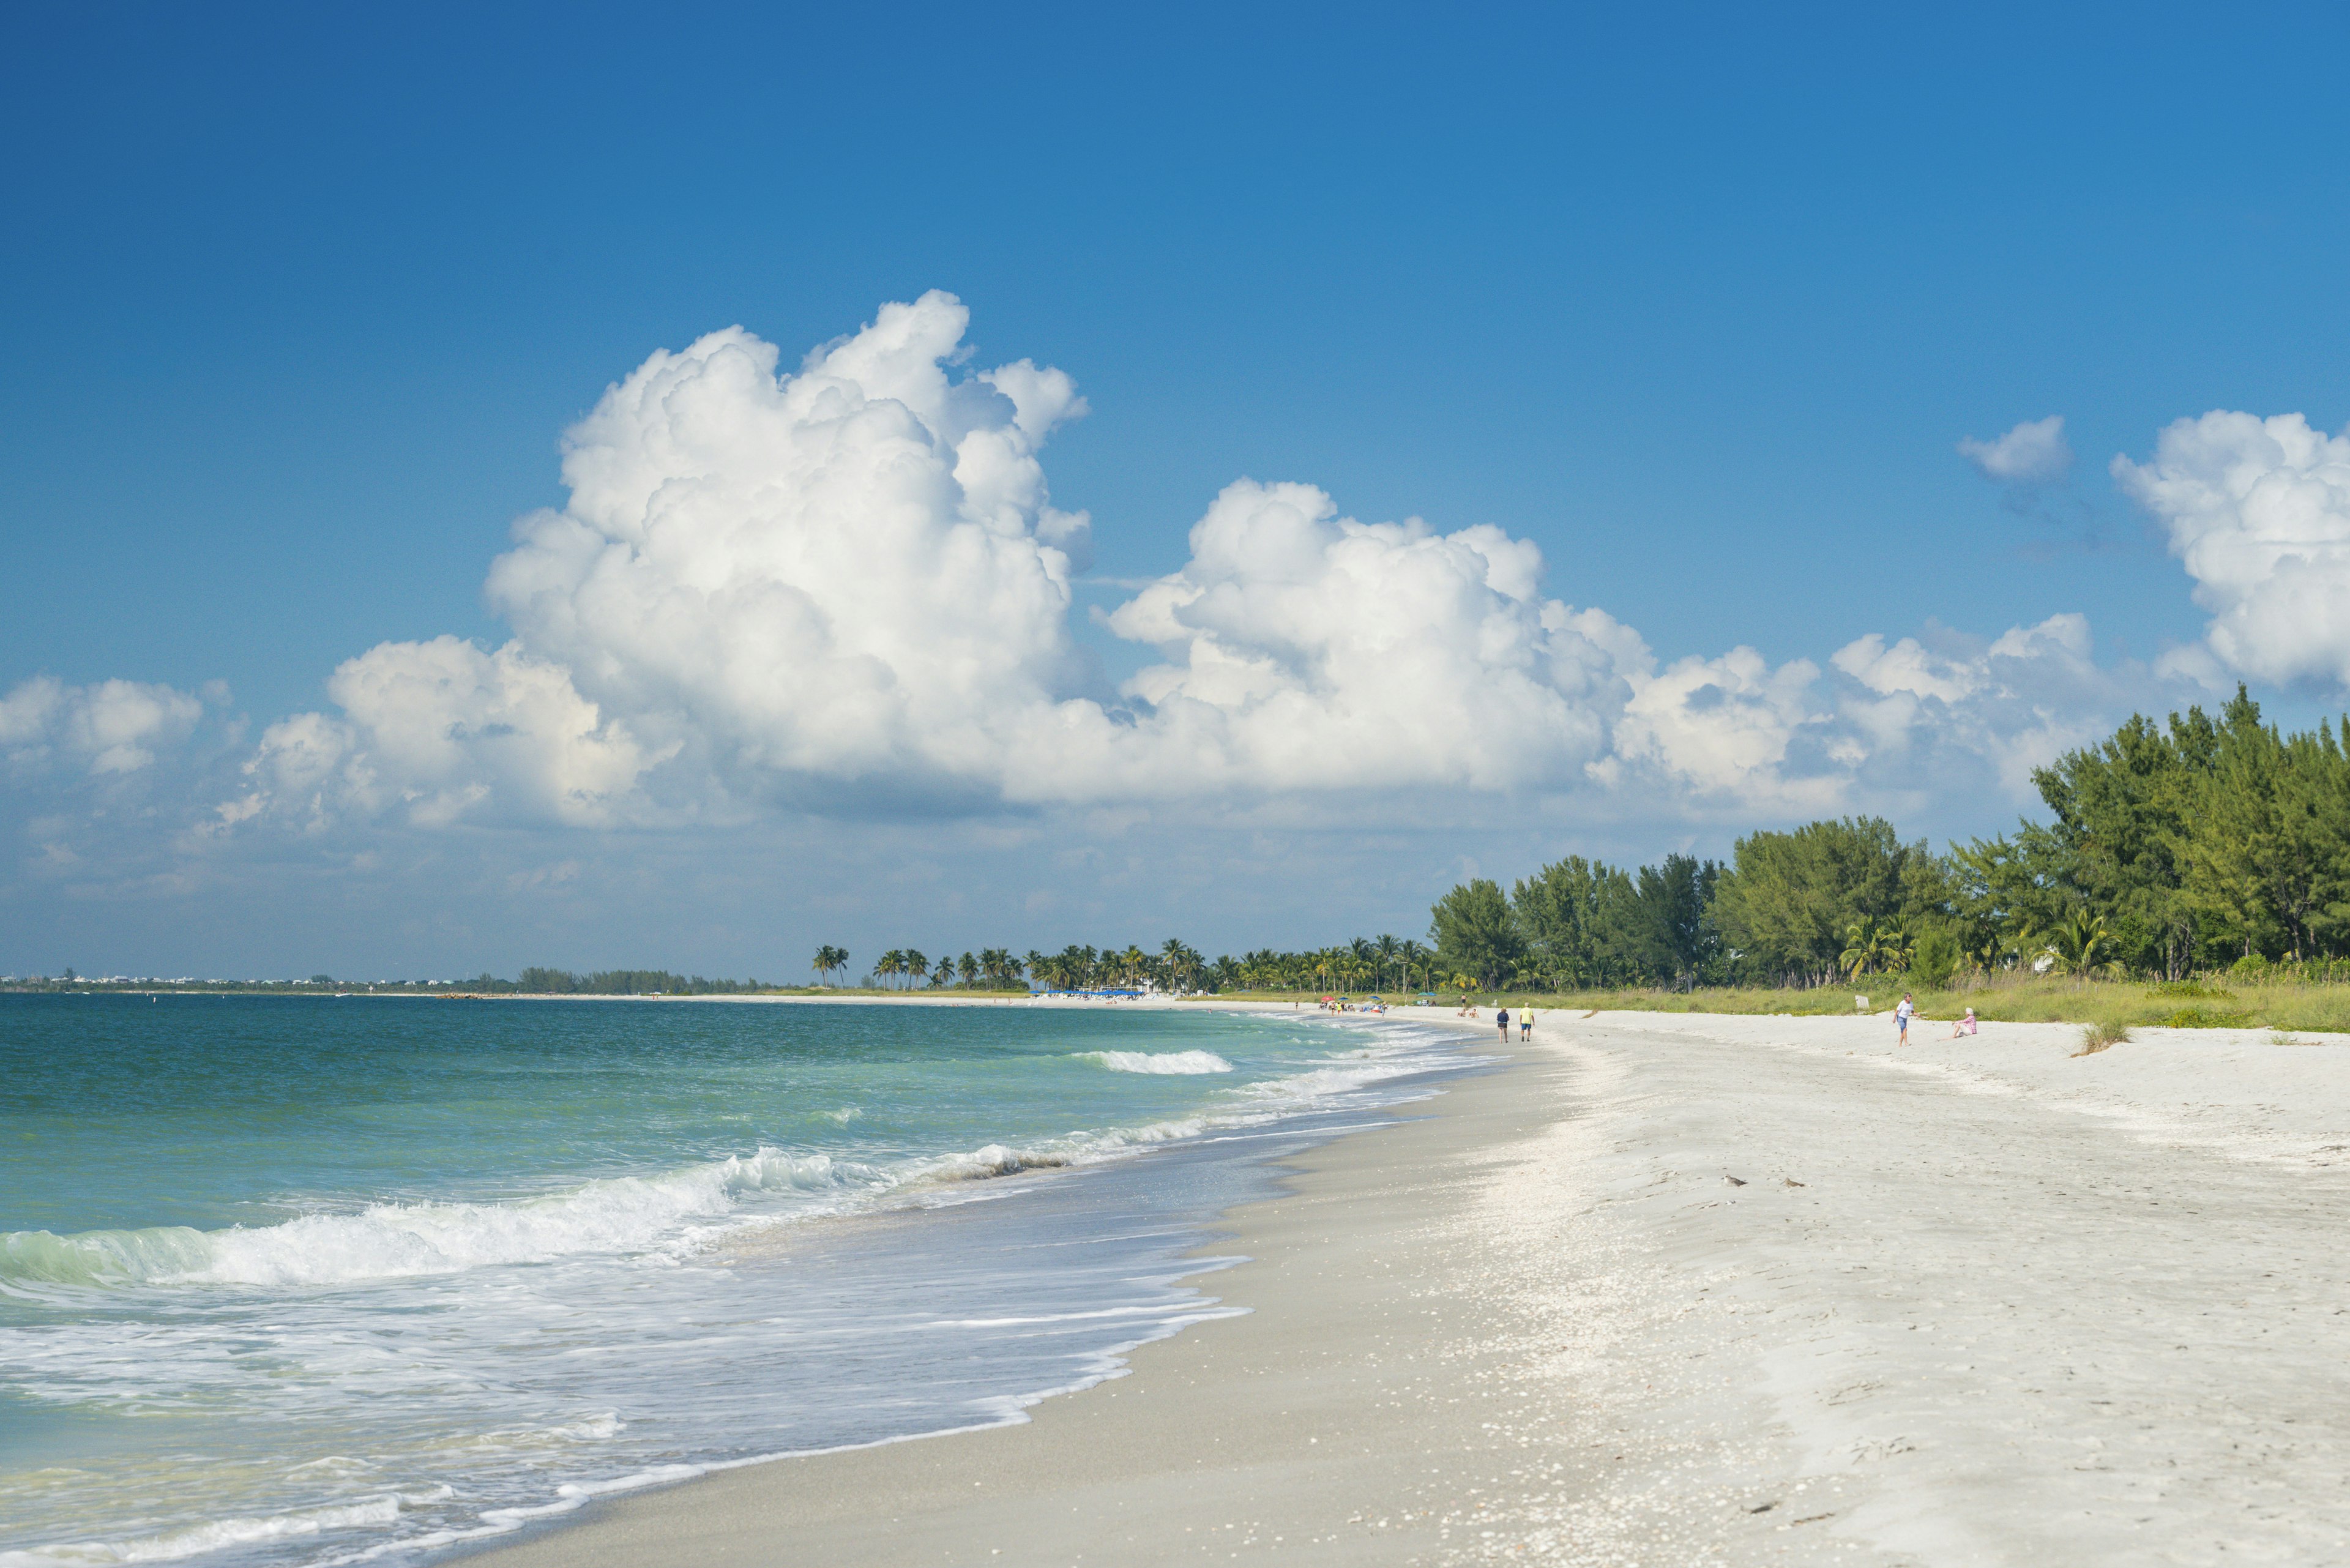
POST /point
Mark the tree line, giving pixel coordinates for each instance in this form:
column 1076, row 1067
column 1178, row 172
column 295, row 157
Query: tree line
column 618, row 982
column 2171, row 848
column 1174, row 965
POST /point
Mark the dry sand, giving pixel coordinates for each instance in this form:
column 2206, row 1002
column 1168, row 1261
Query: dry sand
column 1976, row 1303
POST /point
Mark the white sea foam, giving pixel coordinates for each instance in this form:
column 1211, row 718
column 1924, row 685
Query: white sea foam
column 1183, row 1062
column 219, row 1534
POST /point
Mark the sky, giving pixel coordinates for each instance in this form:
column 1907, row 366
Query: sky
column 494, row 485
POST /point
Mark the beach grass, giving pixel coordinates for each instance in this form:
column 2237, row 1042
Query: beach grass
column 2097, row 1037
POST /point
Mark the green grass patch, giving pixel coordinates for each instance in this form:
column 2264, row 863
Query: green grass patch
column 2204, row 1018
column 2189, row 989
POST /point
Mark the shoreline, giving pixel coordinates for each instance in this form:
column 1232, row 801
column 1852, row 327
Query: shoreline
column 1672, row 1288
column 828, row 1506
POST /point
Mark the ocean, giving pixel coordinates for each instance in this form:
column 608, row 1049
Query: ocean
column 307, row 1280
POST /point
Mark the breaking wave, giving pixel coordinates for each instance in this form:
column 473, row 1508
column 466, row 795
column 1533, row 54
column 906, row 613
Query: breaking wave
column 672, row 1213
column 386, row 1240
column 1183, row 1062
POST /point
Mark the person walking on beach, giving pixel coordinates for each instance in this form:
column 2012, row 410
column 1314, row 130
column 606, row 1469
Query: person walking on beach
column 1502, row 1019
column 1901, row 1016
column 1527, row 1023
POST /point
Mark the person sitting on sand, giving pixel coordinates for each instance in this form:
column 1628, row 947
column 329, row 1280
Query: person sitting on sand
column 1902, row 1015
column 1964, row 1027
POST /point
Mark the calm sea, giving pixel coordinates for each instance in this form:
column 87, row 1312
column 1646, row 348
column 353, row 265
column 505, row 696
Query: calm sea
column 325, row 1280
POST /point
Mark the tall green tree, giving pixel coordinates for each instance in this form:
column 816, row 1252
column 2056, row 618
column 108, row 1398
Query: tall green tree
column 1474, row 932
column 1676, row 928
column 1789, row 899
column 1582, row 922
column 2125, row 811
column 2269, row 853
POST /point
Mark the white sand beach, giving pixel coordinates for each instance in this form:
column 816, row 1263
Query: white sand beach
column 1671, row 1289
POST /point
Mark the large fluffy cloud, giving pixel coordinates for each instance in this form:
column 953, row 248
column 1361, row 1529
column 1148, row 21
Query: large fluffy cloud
column 850, row 573
column 847, row 583
column 1307, row 651
column 2259, row 512
column 844, row 586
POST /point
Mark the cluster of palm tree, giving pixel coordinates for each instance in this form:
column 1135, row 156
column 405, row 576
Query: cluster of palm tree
column 1175, row 966
column 1369, row 962
column 2077, row 943
column 992, row 969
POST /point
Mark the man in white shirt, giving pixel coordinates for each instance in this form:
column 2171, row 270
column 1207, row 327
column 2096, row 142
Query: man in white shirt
column 1902, row 1015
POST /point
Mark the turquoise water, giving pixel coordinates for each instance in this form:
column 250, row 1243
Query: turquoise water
column 326, row 1279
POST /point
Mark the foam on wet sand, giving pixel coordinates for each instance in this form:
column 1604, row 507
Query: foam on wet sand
column 1681, row 1288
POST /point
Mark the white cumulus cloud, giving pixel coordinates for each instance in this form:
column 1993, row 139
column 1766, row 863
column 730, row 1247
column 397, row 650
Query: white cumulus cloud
column 1308, row 650
column 1725, row 726
column 109, row 727
column 2257, row 511
column 843, row 587
column 439, row 730
column 847, row 583
column 2031, row 453
column 2015, row 702
column 852, row 573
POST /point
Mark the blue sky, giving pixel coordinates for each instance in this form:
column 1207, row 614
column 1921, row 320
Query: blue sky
column 1697, row 301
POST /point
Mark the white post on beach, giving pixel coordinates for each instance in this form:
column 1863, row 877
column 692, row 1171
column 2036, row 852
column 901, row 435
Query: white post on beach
column 1860, row 1004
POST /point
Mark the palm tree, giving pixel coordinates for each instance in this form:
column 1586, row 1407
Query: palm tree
column 828, row 958
column 1388, row 947
column 916, row 967
column 892, row 965
column 1871, row 947
column 944, row 974
column 1412, row 952
column 2081, row 945
column 968, row 967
